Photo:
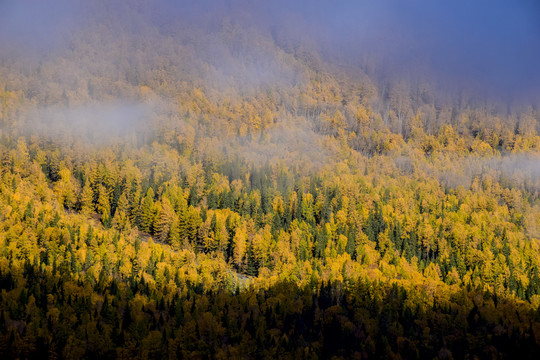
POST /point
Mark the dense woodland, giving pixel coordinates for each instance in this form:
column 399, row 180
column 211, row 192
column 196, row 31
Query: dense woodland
column 174, row 192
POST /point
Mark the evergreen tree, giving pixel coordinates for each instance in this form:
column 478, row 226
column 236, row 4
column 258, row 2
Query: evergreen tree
column 86, row 198
column 164, row 221
column 147, row 212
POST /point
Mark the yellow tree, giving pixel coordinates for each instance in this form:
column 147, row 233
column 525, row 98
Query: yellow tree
column 147, row 211
column 65, row 189
column 240, row 247
column 164, row 220
column 86, row 198
column 121, row 219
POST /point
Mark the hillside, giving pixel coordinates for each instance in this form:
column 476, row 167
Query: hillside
column 178, row 182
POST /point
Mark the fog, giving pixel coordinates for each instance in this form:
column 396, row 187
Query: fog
column 29, row 27
column 96, row 124
column 293, row 146
column 489, row 47
column 520, row 171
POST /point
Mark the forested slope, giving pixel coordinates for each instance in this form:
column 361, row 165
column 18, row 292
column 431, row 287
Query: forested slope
column 214, row 189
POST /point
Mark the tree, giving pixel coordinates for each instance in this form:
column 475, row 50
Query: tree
column 86, row 198
column 103, row 206
column 147, row 212
column 164, row 221
column 239, row 248
column 65, row 190
column 121, row 219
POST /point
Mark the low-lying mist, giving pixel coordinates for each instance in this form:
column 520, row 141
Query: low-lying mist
column 95, row 124
column 521, row 171
column 293, row 146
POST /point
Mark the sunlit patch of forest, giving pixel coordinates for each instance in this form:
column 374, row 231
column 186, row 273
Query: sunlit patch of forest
column 220, row 192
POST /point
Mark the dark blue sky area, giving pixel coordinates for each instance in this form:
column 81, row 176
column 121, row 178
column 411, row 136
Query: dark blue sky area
column 492, row 46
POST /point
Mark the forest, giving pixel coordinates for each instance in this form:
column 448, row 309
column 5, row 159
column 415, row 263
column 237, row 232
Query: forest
column 184, row 183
